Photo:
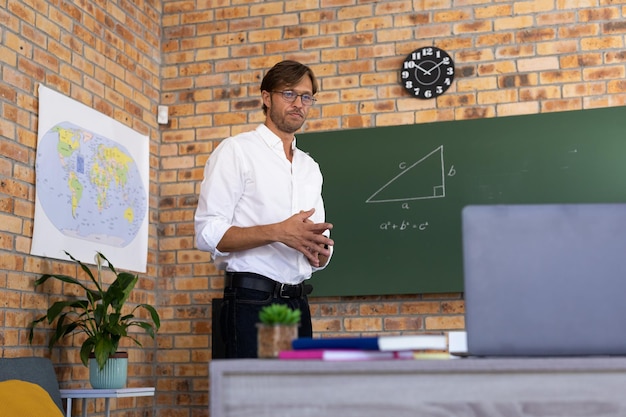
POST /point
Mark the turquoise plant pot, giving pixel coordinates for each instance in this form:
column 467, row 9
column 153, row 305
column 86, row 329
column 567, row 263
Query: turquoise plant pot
column 113, row 375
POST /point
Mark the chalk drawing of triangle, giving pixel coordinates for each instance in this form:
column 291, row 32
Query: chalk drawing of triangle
column 422, row 180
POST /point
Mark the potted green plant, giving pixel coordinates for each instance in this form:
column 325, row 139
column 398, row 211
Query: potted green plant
column 100, row 316
column 278, row 327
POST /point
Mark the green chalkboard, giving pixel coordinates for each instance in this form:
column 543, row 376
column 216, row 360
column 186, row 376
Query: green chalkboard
column 395, row 194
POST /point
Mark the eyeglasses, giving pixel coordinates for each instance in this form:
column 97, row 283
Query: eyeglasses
column 291, row 96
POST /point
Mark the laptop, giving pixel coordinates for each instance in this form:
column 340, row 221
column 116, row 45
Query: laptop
column 545, row 280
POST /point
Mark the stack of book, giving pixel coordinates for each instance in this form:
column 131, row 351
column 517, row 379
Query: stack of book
column 368, row 348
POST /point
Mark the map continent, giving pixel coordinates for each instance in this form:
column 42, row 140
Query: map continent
column 89, row 186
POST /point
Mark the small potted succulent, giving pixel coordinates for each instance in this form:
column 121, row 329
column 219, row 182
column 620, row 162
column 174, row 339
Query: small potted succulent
column 102, row 317
column 278, row 327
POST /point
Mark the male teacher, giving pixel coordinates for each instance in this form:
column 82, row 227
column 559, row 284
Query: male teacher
column 260, row 212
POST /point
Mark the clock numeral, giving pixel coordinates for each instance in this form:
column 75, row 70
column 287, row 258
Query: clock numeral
column 427, row 51
column 447, row 81
column 408, row 84
column 428, row 93
column 439, row 89
column 450, row 71
column 409, row 65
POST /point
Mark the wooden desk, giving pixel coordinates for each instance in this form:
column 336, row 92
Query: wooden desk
column 520, row 387
column 107, row 394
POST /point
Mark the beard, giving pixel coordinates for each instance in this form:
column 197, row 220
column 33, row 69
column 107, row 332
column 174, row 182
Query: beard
column 289, row 122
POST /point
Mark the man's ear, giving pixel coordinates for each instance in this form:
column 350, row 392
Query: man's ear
column 267, row 98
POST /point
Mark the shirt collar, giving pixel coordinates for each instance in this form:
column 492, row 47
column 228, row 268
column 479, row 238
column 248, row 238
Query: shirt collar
column 271, row 139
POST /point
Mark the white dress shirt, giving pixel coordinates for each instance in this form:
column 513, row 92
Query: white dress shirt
column 248, row 181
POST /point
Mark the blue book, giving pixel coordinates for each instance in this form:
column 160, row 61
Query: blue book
column 384, row 343
column 363, row 343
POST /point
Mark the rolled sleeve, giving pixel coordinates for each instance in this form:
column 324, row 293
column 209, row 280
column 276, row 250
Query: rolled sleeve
column 209, row 233
column 219, row 193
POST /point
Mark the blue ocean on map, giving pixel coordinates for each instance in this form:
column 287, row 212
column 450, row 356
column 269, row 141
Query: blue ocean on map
column 90, row 186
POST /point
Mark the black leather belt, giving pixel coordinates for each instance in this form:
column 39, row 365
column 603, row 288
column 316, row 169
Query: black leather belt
column 258, row 282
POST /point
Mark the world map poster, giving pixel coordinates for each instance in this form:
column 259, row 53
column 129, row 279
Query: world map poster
column 92, row 185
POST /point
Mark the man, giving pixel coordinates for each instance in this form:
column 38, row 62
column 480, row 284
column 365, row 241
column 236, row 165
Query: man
column 260, row 212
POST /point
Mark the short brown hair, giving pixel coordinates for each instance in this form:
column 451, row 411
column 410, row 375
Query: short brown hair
column 286, row 74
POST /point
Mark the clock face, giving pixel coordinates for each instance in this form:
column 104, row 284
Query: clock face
column 427, row 72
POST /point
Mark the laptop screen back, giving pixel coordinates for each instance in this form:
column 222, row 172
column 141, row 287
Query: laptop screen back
column 545, row 280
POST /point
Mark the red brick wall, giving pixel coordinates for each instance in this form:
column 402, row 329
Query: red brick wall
column 205, row 60
column 106, row 55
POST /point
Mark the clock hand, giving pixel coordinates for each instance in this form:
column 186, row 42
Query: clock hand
column 430, row 70
column 422, row 69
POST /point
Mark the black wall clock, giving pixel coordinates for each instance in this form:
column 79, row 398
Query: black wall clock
column 427, row 72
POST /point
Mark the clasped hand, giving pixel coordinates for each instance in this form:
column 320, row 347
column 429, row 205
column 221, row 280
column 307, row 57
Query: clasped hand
column 307, row 237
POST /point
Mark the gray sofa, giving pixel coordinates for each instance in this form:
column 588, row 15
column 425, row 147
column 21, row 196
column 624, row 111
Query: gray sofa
column 36, row 370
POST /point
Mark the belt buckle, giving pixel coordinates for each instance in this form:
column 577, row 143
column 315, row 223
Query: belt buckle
column 281, row 293
column 295, row 291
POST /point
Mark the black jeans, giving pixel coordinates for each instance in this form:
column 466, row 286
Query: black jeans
column 240, row 314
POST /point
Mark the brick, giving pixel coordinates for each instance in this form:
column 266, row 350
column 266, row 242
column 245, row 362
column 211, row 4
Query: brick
column 10, row 337
column 536, row 35
column 420, row 307
column 452, row 16
column 518, row 22
column 540, row 93
column 560, row 47
column 412, row 19
column 532, row 7
column 292, row 6
column 6, row 242
column 335, row 28
column 396, row 324
column 588, row 12
column 10, row 224
column 601, row 43
column 578, row 31
column 560, row 18
column 560, row 76
column 10, row 299
column 444, row 323
column 378, row 309
column 22, row 12
column 326, row 325
column 433, row 31
column 453, row 307
column 614, row 27
column 616, row 86
column 396, row 7
column 494, row 97
column 476, row 113
column 363, row 324
column 173, row 356
column 605, row 72
column 584, row 60
column 394, row 119
column 615, row 57
column 181, row 342
column 538, row 64
column 517, row 80
column 504, row 110
column 475, row 27
column 267, row 9
column 515, row 51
